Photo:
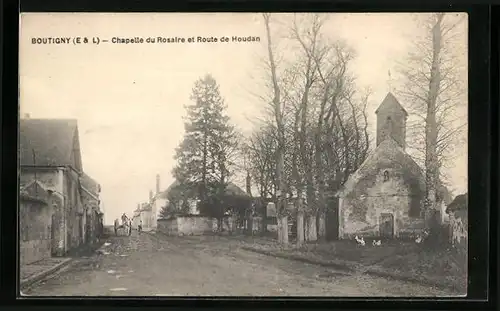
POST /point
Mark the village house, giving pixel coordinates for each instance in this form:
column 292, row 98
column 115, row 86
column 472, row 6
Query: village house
column 145, row 216
column 384, row 197
column 50, row 158
column 158, row 200
column 136, row 217
column 148, row 212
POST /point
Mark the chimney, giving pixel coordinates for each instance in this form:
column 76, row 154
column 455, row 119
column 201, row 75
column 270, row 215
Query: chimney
column 26, row 115
column 150, row 195
column 138, row 206
column 157, row 183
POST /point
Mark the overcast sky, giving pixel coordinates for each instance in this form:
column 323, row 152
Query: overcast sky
column 129, row 99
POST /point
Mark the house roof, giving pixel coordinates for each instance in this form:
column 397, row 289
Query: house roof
column 231, row 189
column 51, row 140
column 459, row 203
column 90, row 184
column 389, row 103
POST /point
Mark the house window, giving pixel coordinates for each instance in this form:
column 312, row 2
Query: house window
column 386, row 176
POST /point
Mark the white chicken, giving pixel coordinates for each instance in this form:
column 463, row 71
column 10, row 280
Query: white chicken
column 377, row 243
column 360, row 241
column 418, row 240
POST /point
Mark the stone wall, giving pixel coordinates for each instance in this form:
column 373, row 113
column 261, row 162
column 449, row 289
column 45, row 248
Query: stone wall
column 168, row 226
column 35, row 217
column 193, row 225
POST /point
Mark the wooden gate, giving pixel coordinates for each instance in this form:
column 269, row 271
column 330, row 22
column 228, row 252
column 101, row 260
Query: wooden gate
column 332, row 219
column 386, row 225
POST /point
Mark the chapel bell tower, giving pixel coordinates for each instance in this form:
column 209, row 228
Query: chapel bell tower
column 391, row 121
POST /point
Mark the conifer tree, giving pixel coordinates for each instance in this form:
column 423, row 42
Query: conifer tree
column 204, row 157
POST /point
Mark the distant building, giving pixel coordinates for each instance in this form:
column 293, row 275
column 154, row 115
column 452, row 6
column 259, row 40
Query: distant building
column 188, row 205
column 136, row 217
column 385, row 196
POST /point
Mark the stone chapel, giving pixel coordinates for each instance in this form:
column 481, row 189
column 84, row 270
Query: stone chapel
column 384, row 197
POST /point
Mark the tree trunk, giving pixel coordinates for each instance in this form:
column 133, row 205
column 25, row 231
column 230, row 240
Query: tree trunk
column 311, row 222
column 311, row 228
column 431, row 158
column 281, row 203
column 321, row 225
column 284, row 230
column 300, row 227
column 250, row 224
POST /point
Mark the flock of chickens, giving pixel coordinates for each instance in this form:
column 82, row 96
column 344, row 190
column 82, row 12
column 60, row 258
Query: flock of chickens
column 361, row 241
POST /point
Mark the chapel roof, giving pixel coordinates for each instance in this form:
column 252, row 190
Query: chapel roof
column 390, row 102
column 390, row 155
column 387, row 154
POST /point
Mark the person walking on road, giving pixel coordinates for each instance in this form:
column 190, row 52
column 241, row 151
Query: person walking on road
column 139, row 227
column 124, row 219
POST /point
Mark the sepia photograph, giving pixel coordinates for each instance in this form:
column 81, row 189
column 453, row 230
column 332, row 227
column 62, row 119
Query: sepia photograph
column 243, row 154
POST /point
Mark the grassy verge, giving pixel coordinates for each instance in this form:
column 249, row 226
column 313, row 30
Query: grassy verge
column 407, row 261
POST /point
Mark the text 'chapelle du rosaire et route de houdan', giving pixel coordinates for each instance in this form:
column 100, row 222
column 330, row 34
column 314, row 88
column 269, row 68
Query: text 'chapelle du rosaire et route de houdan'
column 142, row 40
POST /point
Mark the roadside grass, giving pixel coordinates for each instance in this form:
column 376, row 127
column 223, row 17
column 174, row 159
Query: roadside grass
column 394, row 258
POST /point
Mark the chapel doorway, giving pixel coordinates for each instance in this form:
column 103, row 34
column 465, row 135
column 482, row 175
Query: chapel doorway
column 386, row 225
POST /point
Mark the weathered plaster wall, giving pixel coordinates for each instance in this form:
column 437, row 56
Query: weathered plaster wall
column 372, row 196
column 146, row 220
column 168, row 226
column 91, row 208
column 51, row 177
column 193, row 225
column 35, row 230
column 58, row 228
column 73, row 210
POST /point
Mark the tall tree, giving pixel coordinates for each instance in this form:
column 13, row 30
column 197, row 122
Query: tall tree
column 204, row 156
column 434, row 78
column 317, row 118
column 280, row 152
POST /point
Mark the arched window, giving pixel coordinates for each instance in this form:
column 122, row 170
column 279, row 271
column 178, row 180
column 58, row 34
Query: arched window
column 386, row 175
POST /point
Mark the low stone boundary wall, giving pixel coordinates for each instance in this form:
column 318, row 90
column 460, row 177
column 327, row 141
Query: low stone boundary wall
column 193, row 225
